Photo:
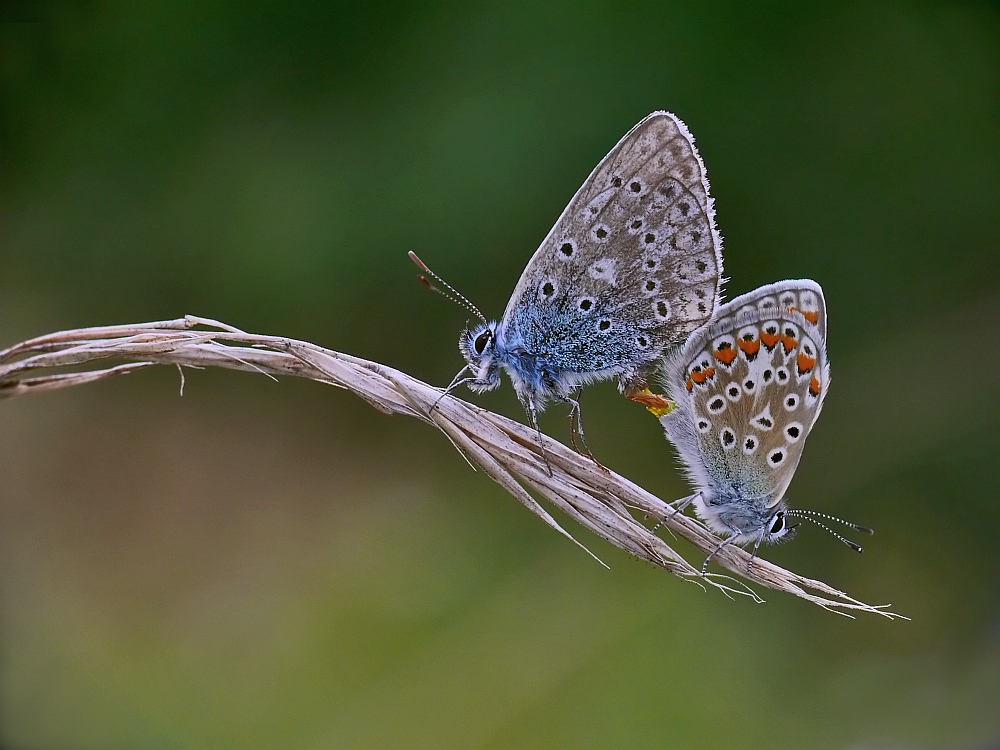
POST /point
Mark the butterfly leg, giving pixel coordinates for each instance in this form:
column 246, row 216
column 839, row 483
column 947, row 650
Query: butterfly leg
column 574, row 411
column 529, row 407
column 678, row 506
column 656, row 404
column 576, row 428
column 455, row 382
column 725, row 543
column 756, row 545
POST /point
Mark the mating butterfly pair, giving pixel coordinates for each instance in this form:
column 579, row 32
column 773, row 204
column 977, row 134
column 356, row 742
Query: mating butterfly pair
column 630, row 270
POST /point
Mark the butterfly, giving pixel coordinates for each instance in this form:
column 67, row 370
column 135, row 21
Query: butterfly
column 632, row 266
column 748, row 388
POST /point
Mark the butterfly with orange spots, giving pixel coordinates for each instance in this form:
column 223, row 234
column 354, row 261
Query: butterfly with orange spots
column 749, row 388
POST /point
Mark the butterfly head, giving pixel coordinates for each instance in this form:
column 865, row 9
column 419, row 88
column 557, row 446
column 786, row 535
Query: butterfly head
column 778, row 529
column 479, row 347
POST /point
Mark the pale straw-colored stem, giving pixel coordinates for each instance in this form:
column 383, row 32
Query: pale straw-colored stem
column 506, row 451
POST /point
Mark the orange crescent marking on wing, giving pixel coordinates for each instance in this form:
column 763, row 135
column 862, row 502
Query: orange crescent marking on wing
column 805, row 363
column 814, row 386
column 750, row 348
column 725, row 355
column 811, row 315
column 788, row 342
column 769, row 339
column 698, row 376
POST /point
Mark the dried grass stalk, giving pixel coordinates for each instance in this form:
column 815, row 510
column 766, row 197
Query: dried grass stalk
column 506, row 451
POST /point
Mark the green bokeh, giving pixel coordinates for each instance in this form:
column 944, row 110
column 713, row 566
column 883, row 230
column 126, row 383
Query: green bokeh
column 262, row 565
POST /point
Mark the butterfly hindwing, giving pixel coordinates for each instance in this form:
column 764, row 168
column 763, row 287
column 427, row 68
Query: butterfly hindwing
column 634, row 263
column 798, row 295
column 749, row 388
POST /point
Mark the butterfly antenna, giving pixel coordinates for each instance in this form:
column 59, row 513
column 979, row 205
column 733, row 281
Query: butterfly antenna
column 808, row 517
column 828, row 517
column 449, row 291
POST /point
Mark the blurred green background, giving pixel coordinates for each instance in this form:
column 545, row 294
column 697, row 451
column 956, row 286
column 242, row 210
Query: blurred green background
column 280, row 566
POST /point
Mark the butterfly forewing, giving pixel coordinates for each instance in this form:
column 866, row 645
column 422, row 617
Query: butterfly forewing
column 751, row 386
column 633, row 265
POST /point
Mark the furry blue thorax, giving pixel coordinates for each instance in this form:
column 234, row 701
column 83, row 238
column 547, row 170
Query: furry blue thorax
column 540, row 370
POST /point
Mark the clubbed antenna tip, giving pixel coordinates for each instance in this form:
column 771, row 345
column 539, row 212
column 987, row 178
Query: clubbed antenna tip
column 449, row 291
column 420, row 264
column 810, row 515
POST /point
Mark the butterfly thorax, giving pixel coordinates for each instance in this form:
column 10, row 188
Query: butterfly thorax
column 549, row 357
column 728, row 511
column 533, row 368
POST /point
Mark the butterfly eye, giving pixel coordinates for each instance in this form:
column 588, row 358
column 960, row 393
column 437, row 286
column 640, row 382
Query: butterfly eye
column 779, row 524
column 481, row 341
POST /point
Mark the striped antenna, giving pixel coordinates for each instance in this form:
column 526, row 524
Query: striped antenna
column 827, row 516
column 808, row 515
column 451, row 292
